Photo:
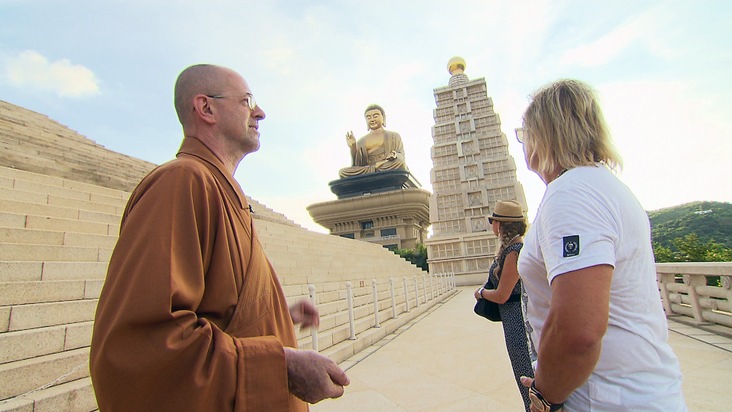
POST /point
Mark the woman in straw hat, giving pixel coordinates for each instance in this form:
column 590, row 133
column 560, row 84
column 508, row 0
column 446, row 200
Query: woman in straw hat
column 509, row 225
column 588, row 268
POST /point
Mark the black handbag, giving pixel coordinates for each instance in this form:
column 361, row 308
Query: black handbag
column 487, row 308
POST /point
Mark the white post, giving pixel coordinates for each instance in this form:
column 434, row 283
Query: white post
column 376, row 303
column 393, row 299
column 406, row 294
column 351, row 323
column 424, row 288
column 416, row 292
column 432, row 286
column 313, row 331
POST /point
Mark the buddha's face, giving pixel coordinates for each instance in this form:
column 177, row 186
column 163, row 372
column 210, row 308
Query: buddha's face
column 374, row 119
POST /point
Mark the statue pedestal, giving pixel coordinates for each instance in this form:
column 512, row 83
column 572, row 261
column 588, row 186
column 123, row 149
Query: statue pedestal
column 371, row 183
column 386, row 208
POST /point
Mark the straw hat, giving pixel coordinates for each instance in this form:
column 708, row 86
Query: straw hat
column 507, row 211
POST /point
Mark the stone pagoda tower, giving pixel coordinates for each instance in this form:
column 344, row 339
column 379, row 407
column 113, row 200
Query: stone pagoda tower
column 472, row 169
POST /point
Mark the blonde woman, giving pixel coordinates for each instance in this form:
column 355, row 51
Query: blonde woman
column 588, row 268
column 509, row 225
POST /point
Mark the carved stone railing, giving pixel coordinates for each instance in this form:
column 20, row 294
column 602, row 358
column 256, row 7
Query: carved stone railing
column 685, row 292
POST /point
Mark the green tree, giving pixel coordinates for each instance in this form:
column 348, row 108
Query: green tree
column 662, row 253
column 690, row 248
column 718, row 253
column 417, row 256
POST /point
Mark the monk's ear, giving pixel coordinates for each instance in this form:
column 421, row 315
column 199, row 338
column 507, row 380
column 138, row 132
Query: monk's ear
column 203, row 109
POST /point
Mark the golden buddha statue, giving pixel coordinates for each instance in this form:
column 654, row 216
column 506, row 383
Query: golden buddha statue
column 378, row 150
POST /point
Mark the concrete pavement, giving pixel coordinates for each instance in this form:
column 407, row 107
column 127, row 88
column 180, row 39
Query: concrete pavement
column 449, row 359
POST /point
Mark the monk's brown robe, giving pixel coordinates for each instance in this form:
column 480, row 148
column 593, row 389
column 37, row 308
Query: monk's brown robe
column 191, row 316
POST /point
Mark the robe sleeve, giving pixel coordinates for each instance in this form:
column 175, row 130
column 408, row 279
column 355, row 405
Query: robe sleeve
column 152, row 347
column 395, row 143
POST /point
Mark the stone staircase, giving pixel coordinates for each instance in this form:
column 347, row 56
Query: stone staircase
column 31, row 141
column 57, row 235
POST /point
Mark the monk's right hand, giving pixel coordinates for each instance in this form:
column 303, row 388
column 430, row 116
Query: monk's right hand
column 350, row 139
column 313, row 377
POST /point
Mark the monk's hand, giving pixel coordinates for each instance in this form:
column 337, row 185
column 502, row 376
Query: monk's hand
column 350, row 139
column 305, row 314
column 313, row 377
column 392, row 155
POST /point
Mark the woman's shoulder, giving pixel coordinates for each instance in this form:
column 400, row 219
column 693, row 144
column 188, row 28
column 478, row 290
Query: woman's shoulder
column 513, row 247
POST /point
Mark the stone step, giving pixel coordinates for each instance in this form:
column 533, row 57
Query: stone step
column 67, row 193
column 27, row 375
column 31, row 343
column 39, row 315
column 50, row 237
column 15, row 220
column 21, row 293
column 11, row 173
column 74, row 396
column 116, row 208
column 49, row 146
column 26, row 271
column 30, row 252
column 17, row 201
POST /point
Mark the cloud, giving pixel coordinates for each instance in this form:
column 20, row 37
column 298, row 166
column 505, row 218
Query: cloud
column 674, row 145
column 604, row 49
column 32, row 70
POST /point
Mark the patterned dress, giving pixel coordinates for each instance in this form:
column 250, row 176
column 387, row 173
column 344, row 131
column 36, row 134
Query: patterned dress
column 514, row 327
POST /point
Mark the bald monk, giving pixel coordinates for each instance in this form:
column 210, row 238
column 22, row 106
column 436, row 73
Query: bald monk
column 378, row 150
column 192, row 316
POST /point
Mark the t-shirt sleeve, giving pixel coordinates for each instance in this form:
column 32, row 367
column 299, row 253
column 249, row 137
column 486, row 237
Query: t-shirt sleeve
column 577, row 232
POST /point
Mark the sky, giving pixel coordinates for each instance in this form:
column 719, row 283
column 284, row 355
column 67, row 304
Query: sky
column 660, row 68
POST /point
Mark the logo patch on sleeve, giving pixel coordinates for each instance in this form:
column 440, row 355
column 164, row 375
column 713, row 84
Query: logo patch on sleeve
column 570, row 246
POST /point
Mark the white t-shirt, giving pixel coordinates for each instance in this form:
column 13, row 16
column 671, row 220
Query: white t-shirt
column 589, row 217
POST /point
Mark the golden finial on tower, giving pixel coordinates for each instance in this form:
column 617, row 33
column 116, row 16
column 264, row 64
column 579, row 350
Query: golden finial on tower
column 456, row 65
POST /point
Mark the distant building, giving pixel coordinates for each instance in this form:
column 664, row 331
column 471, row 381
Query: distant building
column 472, row 169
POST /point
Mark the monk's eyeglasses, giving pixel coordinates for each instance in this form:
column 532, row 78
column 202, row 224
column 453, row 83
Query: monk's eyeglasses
column 251, row 103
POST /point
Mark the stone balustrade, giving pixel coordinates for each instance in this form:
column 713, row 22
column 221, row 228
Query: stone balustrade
column 684, row 291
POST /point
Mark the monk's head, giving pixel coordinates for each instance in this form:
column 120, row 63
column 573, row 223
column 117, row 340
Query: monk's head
column 216, row 105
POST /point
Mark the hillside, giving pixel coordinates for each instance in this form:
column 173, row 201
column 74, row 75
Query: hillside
column 709, row 220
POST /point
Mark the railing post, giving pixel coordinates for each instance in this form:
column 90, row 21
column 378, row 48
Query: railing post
column 393, row 299
column 313, row 331
column 424, row 288
column 351, row 323
column 432, row 286
column 692, row 282
column 663, row 280
column 406, row 294
column 416, row 293
column 376, row 303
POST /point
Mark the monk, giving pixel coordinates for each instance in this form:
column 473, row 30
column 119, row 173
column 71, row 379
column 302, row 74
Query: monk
column 378, row 150
column 192, row 316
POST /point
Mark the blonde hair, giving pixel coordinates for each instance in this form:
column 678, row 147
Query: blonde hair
column 507, row 232
column 566, row 128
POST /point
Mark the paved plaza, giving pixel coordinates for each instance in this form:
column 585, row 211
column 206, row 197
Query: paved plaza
column 449, row 359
